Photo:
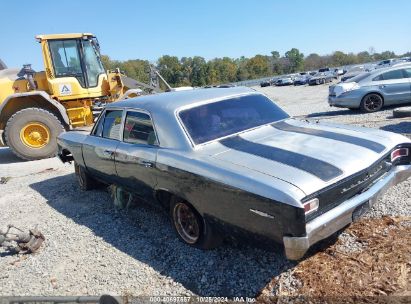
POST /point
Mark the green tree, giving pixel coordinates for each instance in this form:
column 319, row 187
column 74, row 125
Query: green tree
column 258, row 66
column 313, row 61
column 275, row 55
column 242, row 71
column 224, row 70
column 171, row 69
column 384, row 55
column 276, row 66
column 296, row 60
column 198, row 75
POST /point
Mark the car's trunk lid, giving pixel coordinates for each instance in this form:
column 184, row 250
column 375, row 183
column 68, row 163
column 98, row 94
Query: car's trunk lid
column 307, row 155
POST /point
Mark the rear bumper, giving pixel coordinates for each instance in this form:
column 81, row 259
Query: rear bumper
column 341, row 216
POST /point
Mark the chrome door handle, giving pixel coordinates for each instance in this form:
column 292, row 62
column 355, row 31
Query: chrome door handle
column 108, row 153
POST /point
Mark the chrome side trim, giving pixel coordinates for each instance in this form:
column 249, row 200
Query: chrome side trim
column 258, row 212
column 341, row 216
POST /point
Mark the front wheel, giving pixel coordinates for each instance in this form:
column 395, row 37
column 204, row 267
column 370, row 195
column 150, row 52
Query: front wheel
column 371, row 103
column 191, row 227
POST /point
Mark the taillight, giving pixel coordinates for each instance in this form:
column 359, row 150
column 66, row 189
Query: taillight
column 311, row 205
column 399, row 152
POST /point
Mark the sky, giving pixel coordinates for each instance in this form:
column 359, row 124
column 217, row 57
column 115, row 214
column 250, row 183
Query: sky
column 144, row 29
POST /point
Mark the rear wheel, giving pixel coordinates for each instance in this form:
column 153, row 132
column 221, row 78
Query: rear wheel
column 85, row 181
column 191, row 226
column 32, row 133
column 371, row 103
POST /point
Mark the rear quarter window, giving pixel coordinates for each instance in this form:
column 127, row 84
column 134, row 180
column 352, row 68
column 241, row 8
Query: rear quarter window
column 138, row 129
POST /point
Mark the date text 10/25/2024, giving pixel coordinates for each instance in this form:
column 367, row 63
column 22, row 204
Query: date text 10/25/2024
column 176, row 299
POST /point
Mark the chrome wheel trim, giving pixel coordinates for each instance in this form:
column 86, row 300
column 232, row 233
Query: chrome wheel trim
column 186, row 223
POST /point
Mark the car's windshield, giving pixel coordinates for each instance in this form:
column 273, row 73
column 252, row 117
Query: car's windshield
column 218, row 119
column 359, row 77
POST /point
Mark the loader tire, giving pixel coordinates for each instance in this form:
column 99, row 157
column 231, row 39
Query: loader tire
column 32, row 133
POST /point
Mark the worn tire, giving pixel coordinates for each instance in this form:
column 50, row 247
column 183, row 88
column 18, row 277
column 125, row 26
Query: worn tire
column 366, row 106
column 207, row 237
column 22, row 118
column 85, row 181
column 402, row 112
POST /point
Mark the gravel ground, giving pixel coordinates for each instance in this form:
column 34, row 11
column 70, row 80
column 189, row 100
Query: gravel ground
column 92, row 249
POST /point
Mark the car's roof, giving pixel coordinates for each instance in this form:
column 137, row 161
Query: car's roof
column 390, row 68
column 174, row 100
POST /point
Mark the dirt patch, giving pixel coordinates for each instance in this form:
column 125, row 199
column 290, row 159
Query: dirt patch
column 378, row 270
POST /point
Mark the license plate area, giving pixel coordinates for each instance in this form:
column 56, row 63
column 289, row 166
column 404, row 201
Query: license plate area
column 360, row 211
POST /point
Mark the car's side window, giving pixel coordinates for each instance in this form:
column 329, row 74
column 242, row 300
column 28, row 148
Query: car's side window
column 138, row 129
column 112, row 124
column 377, row 78
column 396, row 74
column 408, row 73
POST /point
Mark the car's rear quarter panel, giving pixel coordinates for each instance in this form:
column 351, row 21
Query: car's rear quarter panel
column 72, row 142
column 224, row 205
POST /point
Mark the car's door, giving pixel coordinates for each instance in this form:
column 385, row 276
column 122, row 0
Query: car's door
column 395, row 86
column 408, row 75
column 136, row 154
column 100, row 146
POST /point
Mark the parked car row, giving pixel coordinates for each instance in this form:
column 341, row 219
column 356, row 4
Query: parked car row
column 322, row 76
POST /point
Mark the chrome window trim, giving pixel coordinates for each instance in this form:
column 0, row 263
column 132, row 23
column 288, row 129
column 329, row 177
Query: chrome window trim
column 139, row 110
column 104, row 113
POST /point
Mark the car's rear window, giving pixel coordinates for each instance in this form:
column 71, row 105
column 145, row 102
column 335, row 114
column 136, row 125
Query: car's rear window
column 222, row 118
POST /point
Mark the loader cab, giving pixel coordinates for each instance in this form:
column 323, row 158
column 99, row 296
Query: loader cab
column 73, row 65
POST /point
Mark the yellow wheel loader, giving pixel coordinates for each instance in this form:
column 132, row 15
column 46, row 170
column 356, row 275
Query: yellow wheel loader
column 35, row 107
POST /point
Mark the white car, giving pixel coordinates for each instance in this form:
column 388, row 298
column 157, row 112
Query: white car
column 338, row 72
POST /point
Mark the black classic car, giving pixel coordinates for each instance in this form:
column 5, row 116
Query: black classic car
column 229, row 161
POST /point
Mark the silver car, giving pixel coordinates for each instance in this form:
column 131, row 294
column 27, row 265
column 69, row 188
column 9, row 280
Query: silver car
column 370, row 91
